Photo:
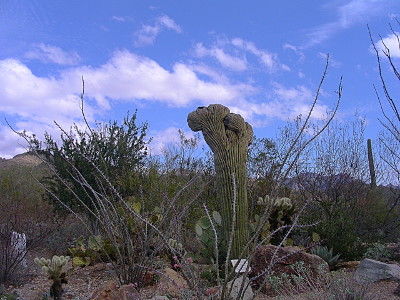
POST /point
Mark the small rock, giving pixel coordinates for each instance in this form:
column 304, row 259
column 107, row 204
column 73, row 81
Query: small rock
column 112, row 292
column 236, row 285
column 159, row 298
column 284, row 259
column 397, row 291
column 347, row 265
column 370, row 270
column 173, row 282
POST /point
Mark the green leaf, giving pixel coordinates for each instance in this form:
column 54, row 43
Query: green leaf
column 80, row 261
column 80, row 241
column 155, row 218
column 204, row 238
column 315, row 237
column 198, row 229
column 137, row 207
column 288, row 242
column 157, row 210
column 95, row 242
column 217, row 217
column 204, row 223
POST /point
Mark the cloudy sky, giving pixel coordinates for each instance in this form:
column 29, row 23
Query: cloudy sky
column 263, row 59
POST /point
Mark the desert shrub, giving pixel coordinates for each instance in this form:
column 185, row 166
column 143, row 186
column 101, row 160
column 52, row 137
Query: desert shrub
column 122, row 211
column 68, row 231
column 4, row 295
column 342, row 236
column 89, row 252
column 337, row 285
column 117, row 151
column 24, row 218
column 378, row 252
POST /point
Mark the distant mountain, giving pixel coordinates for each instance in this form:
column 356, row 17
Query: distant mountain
column 25, row 159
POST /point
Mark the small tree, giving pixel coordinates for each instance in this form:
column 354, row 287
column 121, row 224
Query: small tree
column 117, row 150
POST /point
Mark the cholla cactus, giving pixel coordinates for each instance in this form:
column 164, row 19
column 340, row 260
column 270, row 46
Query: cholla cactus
column 281, row 213
column 53, row 267
column 263, row 201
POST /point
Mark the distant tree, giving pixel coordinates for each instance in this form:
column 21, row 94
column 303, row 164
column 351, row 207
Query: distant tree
column 118, row 151
column 262, row 168
column 333, row 173
column 22, row 211
column 389, row 139
column 390, row 136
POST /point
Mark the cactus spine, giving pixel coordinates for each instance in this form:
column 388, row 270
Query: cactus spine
column 371, row 163
column 53, row 267
column 228, row 136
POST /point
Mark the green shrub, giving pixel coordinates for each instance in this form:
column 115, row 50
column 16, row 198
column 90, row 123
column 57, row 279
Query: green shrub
column 96, row 249
column 7, row 296
column 378, row 252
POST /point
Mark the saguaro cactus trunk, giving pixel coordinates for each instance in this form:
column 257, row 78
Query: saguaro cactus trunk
column 371, row 163
column 228, row 136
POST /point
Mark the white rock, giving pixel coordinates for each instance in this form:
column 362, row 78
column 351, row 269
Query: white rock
column 370, row 270
column 236, row 284
column 18, row 248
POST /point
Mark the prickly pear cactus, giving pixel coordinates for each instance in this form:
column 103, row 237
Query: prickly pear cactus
column 228, row 136
column 206, row 235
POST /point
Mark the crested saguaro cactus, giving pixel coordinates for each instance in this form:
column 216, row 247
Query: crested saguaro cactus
column 228, row 136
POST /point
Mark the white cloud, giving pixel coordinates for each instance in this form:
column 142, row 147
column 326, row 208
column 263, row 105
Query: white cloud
column 270, row 60
column 53, row 54
column 35, row 101
column 295, row 50
column 391, row 43
column 24, row 94
column 347, row 14
column 332, row 62
column 285, row 103
column 168, row 23
column 10, row 143
column 226, row 60
column 148, row 33
column 118, row 18
column 131, row 77
column 162, row 139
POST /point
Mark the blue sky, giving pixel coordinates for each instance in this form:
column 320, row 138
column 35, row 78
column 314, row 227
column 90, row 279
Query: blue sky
column 262, row 59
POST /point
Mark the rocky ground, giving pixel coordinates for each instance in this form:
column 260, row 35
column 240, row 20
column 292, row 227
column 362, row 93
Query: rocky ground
column 84, row 282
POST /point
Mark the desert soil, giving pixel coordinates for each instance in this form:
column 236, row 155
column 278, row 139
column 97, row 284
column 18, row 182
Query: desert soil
column 83, row 282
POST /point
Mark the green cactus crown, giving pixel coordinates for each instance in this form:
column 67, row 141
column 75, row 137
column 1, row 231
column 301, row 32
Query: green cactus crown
column 52, row 266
